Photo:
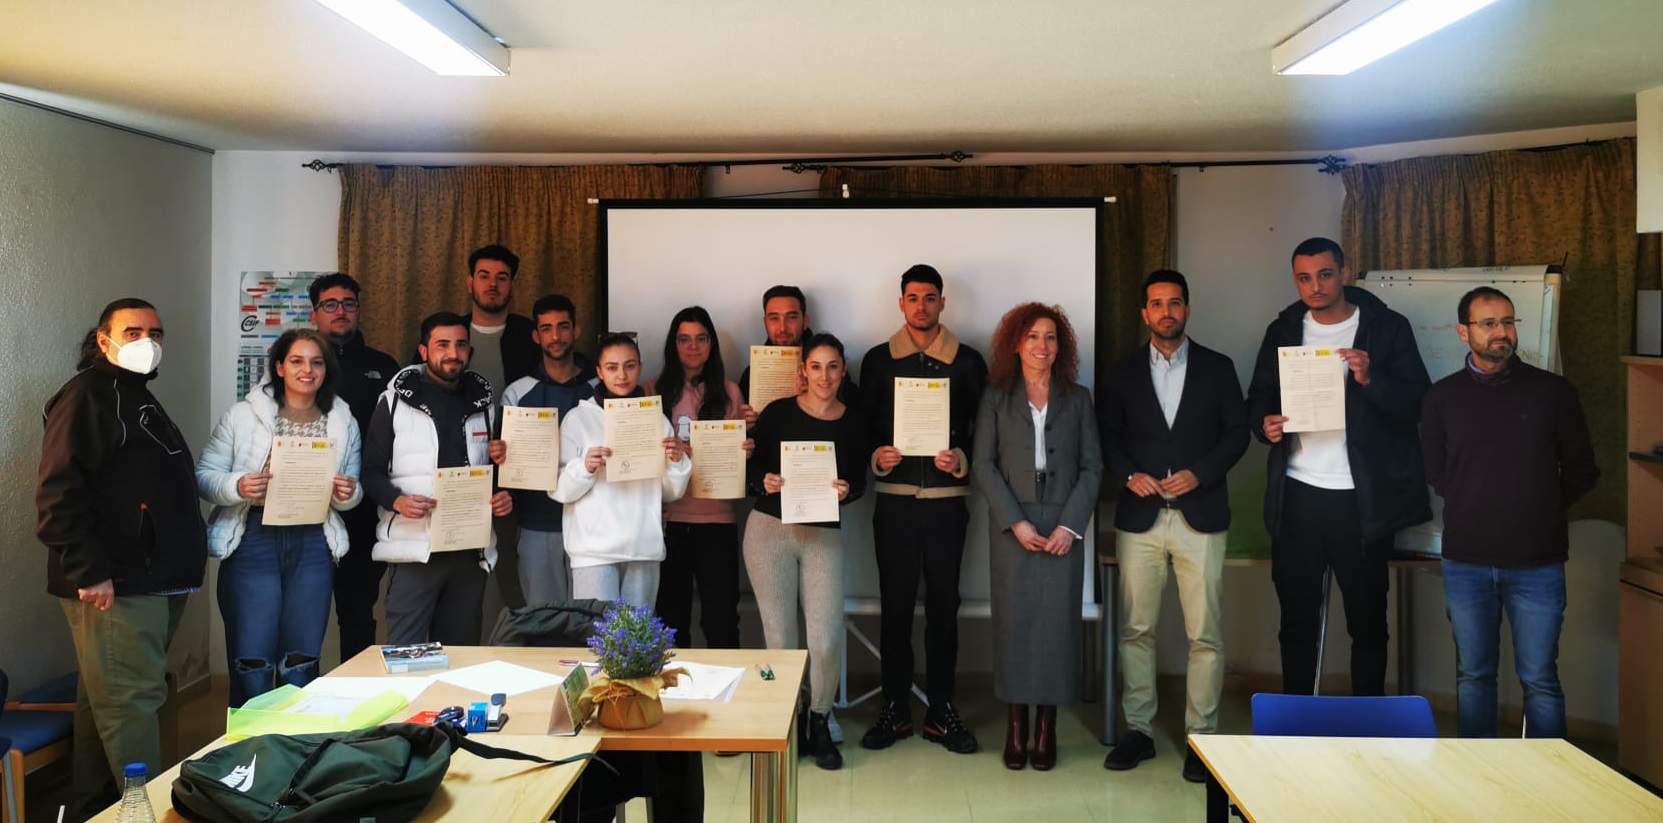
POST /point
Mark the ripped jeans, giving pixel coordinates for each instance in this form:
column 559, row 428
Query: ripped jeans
column 274, row 593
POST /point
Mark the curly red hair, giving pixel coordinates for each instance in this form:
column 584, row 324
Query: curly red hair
column 1006, row 367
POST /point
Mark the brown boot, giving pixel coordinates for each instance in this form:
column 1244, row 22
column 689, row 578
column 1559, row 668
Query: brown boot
column 1016, row 737
column 1044, row 755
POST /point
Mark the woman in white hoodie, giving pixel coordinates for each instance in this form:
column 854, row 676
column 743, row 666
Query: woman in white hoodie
column 275, row 581
column 614, row 530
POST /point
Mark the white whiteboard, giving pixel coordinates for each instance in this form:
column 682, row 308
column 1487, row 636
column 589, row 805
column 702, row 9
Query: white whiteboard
column 848, row 258
column 1429, row 299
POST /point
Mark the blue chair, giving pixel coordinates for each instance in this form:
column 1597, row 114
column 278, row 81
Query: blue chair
column 37, row 728
column 1304, row 715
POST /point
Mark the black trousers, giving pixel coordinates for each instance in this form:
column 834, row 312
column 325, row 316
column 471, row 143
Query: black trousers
column 358, row 582
column 1322, row 529
column 703, row 556
column 919, row 538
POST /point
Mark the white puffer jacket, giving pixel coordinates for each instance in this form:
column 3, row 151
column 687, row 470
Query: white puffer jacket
column 399, row 539
column 241, row 445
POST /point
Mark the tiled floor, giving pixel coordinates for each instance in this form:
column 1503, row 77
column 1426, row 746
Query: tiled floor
column 914, row 781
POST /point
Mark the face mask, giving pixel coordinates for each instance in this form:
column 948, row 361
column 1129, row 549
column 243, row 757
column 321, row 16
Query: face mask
column 140, row 356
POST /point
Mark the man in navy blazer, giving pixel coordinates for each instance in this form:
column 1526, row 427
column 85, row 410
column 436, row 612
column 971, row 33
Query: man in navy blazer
column 1173, row 423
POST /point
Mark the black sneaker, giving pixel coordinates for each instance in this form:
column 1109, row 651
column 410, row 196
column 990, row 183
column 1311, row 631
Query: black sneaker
column 1194, row 770
column 820, row 745
column 1132, row 749
column 893, row 723
column 942, row 725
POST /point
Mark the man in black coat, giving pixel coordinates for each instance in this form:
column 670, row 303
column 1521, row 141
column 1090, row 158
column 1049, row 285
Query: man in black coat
column 1173, row 424
column 1335, row 499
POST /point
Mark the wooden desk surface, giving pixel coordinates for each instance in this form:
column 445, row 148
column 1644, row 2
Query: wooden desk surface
column 758, row 719
column 474, row 788
column 1274, row 779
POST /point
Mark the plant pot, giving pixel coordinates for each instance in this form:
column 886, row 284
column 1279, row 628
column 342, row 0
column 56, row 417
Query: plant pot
column 631, row 711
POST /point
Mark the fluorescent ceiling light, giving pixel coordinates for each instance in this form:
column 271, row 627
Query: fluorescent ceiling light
column 431, row 32
column 1360, row 32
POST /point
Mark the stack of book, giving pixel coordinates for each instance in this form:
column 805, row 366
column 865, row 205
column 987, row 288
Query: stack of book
column 414, row 657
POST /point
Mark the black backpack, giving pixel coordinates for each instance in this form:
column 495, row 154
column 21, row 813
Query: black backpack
column 385, row 774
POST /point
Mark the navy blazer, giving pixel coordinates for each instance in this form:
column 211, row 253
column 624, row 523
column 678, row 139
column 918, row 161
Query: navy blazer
column 1208, row 435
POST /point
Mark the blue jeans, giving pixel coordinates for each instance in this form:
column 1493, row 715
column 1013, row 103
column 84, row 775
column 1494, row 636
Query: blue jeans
column 274, row 593
column 1534, row 600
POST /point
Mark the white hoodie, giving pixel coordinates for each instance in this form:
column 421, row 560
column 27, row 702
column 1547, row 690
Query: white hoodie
column 611, row 522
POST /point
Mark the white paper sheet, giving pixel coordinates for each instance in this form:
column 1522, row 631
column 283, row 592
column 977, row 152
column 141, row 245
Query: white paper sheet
column 704, row 682
column 497, row 676
column 410, row 687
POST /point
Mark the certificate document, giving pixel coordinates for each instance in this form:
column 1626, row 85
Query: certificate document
column 773, row 374
column 461, row 516
column 1313, row 388
column 921, row 416
column 635, row 434
column 302, row 481
column 718, row 459
column 533, row 438
column 809, row 467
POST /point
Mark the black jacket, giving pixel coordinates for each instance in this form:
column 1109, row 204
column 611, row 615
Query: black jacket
column 115, row 498
column 1381, row 419
column 364, row 376
column 1207, row 436
column 946, row 357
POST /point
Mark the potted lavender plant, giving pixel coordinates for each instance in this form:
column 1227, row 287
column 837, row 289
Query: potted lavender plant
column 633, row 647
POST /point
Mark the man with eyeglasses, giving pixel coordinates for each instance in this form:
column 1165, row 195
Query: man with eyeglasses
column 364, row 375
column 1336, row 499
column 1506, row 446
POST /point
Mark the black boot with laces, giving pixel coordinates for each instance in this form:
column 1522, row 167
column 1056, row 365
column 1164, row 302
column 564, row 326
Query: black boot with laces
column 942, row 725
column 820, row 745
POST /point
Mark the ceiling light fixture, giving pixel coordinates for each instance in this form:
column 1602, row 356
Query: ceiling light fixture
column 1360, row 32
column 431, row 32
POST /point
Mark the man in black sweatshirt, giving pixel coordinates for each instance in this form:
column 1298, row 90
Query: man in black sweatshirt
column 116, row 506
column 1506, row 445
column 336, row 308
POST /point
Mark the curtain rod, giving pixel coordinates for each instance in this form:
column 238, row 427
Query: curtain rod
column 1327, row 164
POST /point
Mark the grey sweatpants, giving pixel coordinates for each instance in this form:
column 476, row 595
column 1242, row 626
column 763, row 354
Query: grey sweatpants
column 544, row 577
column 439, row 600
column 783, row 560
column 635, row 582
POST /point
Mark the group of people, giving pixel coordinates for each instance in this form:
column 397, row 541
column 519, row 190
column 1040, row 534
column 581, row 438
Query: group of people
column 1503, row 442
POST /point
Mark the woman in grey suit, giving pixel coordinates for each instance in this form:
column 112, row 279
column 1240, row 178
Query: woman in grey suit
column 1038, row 464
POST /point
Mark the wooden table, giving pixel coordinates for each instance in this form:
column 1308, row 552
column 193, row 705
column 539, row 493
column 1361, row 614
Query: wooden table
column 474, row 788
column 1108, row 585
column 759, row 720
column 1339, row 779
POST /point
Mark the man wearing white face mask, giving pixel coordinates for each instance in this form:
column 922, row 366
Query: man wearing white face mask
column 116, row 507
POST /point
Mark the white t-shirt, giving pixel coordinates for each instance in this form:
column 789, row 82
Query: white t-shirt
column 1319, row 458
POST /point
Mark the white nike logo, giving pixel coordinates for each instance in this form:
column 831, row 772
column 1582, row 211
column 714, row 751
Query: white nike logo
column 242, row 777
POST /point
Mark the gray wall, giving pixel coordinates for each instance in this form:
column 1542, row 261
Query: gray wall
column 88, row 214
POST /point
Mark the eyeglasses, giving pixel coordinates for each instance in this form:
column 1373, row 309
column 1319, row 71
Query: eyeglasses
column 337, row 306
column 1491, row 324
column 684, row 340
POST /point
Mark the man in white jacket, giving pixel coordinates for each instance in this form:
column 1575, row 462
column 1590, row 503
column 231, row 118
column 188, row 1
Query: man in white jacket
column 433, row 415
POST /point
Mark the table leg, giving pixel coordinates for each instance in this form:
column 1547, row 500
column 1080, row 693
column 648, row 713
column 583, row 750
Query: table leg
column 1110, row 624
column 1218, row 803
column 774, row 783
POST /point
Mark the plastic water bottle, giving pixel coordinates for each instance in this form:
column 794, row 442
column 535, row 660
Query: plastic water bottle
column 135, row 801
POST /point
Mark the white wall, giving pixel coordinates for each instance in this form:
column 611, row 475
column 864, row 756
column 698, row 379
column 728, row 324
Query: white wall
column 88, row 214
column 1234, row 229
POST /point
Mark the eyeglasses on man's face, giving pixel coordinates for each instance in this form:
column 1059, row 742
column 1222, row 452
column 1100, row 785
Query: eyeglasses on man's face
column 1491, row 323
column 333, row 306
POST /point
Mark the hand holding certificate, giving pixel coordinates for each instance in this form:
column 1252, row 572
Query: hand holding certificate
column 1313, row 388
column 461, row 515
column 719, row 459
column 808, row 495
column 302, row 481
column 774, row 374
column 533, row 437
column 921, row 412
column 635, row 434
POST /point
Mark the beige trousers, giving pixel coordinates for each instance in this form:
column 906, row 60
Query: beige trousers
column 1197, row 559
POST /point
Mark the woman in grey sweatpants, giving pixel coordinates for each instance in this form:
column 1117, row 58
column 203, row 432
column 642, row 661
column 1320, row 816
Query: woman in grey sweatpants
column 788, row 559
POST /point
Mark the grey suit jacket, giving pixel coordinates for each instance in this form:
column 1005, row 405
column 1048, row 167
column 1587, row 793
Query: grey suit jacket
column 1003, row 463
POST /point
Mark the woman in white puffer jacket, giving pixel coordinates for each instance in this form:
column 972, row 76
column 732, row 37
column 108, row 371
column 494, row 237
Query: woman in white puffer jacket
column 275, row 581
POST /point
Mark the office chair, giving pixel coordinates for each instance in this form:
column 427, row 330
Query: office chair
column 36, row 729
column 1304, row 715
